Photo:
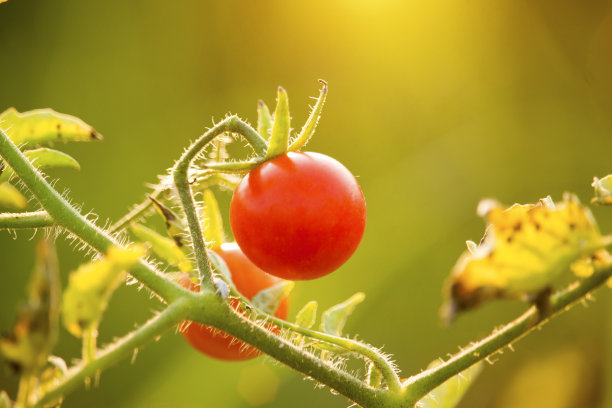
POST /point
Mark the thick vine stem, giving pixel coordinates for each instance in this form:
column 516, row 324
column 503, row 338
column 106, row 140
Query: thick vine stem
column 387, row 370
column 112, row 354
column 34, row 219
column 258, row 335
column 180, row 171
column 421, row 384
column 68, row 217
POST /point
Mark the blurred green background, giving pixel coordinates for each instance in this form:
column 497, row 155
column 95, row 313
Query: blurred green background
column 433, row 105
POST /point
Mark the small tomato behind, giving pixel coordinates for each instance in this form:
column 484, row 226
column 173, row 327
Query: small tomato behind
column 249, row 280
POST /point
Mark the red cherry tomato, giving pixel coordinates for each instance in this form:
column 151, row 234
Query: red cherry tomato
column 249, row 280
column 298, row 216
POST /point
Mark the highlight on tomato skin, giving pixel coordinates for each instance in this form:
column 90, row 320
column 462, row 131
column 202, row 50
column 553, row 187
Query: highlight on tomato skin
column 249, row 280
column 298, row 216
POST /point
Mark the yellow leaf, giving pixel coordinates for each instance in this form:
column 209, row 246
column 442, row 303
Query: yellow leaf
column 10, row 197
column 91, row 286
column 525, row 247
column 44, row 126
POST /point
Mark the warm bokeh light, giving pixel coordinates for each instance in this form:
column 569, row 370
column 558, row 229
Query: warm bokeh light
column 432, row 105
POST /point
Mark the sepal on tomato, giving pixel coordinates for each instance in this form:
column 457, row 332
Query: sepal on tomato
column 334, row 318
column 264, row 120
column 267, row 300
column 279, row 140
column 311, row 123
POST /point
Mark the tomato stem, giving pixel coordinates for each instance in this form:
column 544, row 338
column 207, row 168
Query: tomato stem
column 69, row 218
column 35, row 219
column 421, row 384
column 179, row 173
column 380, row 361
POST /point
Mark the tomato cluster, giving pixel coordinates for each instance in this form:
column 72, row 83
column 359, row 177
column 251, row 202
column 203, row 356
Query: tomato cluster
column 249, row 280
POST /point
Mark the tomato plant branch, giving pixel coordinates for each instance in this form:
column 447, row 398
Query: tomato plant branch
column 180, row 172
column 259, row 336
column 68, row 217
column 421, row 384
column 379, row 360
column 34, row 219
column 113, row 353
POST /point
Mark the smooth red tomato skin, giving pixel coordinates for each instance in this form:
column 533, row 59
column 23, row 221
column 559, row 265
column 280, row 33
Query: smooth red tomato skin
column 249, row 280
column 298, row 216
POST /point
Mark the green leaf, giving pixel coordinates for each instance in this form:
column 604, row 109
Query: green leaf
column 35, row 331
column 264, row 120
column 45, row 158
column 268, row 299
column 307, row 316
column 449, row 394
column 11, row 198
column 44, row 126
column 212, row 222
column 334, row 318
column 91, row 286
column 281, row 128
column 311, row 124
column 163, row 247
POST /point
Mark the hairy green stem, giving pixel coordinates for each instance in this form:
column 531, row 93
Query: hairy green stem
column 234, row 167
column 258, row 335
column 387, row 370
column 112, row 354
column 180, row 171
column 421, row 384
column 68, row 217
column 138, row 210
column 34, row 219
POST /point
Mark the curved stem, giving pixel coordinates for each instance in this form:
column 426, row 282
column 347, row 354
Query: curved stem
column 390, row 375
column 179, row 173
column 259, row 336
column 421, row 384
column 68, row 217
column 115, row 352
column 34, row 219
